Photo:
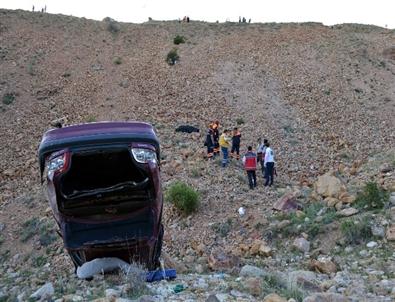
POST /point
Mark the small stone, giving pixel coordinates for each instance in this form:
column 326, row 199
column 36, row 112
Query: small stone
column 251, row 271
column 378, row 231
column 46, row 291
column 112, row 293
column 274, row 298
column 301, row 244
column 326, row 297
column 212, row 298
column 348, row 212
column 253, row 286
column 385, row 168
column 324, row 265
column 390, row 233
column 371, row 244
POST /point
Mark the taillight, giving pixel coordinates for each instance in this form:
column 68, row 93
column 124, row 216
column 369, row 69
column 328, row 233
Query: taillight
column 143, row 155
column 58, row 164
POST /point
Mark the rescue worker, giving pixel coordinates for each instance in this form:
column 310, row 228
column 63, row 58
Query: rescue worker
column 224, row 142
column 249, row 162
column 261, row 154
column 216, row 137
column 269, row 165
column 235, row 143
column 209, row 142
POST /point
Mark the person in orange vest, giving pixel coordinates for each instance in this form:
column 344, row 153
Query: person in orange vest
column 235, row 144
column 209, row 142
column 216, row 137
column 249, row 162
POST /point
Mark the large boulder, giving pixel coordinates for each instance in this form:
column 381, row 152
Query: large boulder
column 326, row 297
column 328, row 185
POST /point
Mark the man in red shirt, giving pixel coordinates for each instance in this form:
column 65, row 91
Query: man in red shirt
column 249, row 161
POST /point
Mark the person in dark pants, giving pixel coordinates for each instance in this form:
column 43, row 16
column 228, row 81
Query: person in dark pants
column 261, row 154
column 209, row 142
column 216, row 137
column 269, row 165
column 235, row 144
column 249, row 161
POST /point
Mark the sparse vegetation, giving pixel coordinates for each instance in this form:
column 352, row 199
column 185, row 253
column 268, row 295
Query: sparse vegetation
column 240, row 121
column 91, row 119
column 309, row 221
column 372, row 197
column 8, row 98
column 273, row 284
column 179, row 39
column 172, row 57
column 33, row 227
column 356, row 231
column 117, row 61
column 135, row 278
column 112, row 25
column 223, row 228
column 184, row 197
column 29, row 228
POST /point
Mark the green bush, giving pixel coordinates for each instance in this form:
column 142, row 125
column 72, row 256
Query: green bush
column 179, row 39
column 239, row 121
column 117, row 61
column 184, row 197
column 372, row 197
column 172, row 56
column 356, row 231
column 8, row 98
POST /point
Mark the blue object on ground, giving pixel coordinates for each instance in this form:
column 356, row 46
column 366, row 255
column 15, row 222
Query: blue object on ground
column 160, row 274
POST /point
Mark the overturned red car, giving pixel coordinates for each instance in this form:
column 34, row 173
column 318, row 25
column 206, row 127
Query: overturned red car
column 104, row 189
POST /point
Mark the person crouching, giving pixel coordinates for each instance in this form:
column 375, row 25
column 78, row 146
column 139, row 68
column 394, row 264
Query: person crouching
column 249, row 161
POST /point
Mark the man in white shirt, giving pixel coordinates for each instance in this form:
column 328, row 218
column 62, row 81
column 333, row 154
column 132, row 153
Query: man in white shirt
column 269, row 165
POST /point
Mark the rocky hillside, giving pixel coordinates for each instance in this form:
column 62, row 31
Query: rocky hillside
column 324, row 97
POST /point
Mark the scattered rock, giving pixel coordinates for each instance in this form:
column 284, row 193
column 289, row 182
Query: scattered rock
column 251, row 271
column 390, row 233
column 348, row 212
column 301, row 244
column 385, row 168
column 253, row 286
column 274, row 298
column 286, row 203
column 44, row 292
column 326, row 297
column 218, row 260
column 328, row 185
column 371, row 244
column 323, row 265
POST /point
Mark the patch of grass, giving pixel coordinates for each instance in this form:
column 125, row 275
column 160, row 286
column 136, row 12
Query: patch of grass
column 179, row 39
column 195, row 173
column 356, row 231
column 371, row 197
column 29, row 229
column 91, row 119
column 135, row 279
column 8, row 98
column 240, row 121
column 34, row 226
column 308, row 220
column 223, row 228
column 183, row 196
column 39, row 261
column 273, row 284
column 117, row 61
column 172, row 57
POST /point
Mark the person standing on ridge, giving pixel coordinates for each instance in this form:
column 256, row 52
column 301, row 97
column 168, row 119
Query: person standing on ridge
column 235, row 143
column 249, row 162
column 261, row 154
column 216, row 137
column 269, row 165
column 224, row 142
column 209, row 142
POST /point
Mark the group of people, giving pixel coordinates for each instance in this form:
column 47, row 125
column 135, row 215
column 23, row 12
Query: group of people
column 264, row 155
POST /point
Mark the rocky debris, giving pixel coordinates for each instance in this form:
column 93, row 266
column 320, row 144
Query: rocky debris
column 274, row 298
column 301, row 244
column 348, row 212
column 253, row 286
column 323, row 265
column 286, row 203
column 326, row 297
column 251, row 271
column 220, row 261
column 305, row 280
column 328, row 185
column 390, row 233
column 44, row 292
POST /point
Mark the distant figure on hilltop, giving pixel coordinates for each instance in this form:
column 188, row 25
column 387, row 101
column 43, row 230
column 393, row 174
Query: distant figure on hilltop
column 45, row 9
column 33, row 9
column 187, row 19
